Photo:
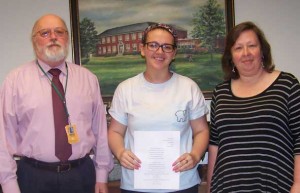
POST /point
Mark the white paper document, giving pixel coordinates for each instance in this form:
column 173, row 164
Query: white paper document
column 157, row 151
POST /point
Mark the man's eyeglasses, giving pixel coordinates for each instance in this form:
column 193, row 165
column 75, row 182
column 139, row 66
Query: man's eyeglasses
column 154, row 46
column 46, row 33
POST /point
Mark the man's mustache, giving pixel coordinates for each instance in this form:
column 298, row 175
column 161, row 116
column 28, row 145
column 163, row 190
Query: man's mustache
column 54, row 44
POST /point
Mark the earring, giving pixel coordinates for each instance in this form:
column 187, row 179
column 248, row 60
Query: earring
column 233, row 69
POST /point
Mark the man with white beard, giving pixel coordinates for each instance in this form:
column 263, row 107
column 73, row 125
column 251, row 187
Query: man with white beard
column 53, row 116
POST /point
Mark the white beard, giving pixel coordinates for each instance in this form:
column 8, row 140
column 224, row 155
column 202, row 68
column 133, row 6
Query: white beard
column 53, row 54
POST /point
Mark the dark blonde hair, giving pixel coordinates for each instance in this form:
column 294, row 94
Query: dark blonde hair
column 233, row 35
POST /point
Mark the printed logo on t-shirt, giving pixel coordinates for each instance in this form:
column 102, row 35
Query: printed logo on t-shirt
column 181, row 115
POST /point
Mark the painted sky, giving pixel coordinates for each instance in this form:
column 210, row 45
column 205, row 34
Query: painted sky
column 108, row 14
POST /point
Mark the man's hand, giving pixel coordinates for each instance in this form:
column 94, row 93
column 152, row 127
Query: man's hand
column 101, row 188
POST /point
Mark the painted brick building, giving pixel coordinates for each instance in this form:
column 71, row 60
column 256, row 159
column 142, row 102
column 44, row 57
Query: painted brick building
column 126, row 39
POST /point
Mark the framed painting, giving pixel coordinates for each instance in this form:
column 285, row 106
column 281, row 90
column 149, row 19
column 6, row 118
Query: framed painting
column 106, row 37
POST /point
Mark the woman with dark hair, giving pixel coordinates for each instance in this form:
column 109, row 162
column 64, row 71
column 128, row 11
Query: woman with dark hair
column 255, row 120
column 159, row 100
column 265, row 48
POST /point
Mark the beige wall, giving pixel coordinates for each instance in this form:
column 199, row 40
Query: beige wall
column 16, row 20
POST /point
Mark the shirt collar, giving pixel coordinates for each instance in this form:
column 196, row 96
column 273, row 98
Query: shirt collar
column 46, row 67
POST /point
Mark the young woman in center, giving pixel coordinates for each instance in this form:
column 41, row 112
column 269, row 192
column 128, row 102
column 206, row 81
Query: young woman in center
column 159, row 100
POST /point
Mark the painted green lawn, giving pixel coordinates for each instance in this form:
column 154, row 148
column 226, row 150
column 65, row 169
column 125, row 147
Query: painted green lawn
column 113, row 70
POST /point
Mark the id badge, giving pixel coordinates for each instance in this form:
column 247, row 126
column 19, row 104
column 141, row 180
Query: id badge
column 72, row 134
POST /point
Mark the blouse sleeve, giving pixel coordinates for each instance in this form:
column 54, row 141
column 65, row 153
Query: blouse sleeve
column 294, row 116
column 213, row 140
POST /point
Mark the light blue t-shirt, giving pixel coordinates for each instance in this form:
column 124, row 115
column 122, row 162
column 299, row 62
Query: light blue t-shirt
column 168, row 106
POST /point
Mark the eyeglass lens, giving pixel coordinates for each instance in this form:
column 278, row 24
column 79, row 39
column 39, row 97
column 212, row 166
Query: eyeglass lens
column 154, row 46
column 59, row 32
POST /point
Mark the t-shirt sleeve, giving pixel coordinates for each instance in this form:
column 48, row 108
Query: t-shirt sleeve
column 198, row 106
column 118, row 105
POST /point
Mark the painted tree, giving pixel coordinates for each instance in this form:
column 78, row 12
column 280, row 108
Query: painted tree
column 88, row 39
column 209, row 25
